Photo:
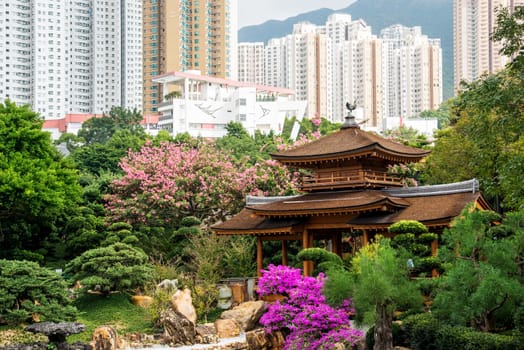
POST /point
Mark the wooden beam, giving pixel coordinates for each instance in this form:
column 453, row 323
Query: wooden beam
column 284, row 253
column 365, row 239
column 260, row 256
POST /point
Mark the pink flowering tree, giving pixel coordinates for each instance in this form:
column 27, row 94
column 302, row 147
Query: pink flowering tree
column 303, row 311
column 164, row 183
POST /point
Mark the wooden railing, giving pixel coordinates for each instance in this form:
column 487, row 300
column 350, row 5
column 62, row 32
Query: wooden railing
column 349, row 179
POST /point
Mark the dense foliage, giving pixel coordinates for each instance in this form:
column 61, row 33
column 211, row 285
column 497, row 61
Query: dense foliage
column 486, row 139
column 117, row 267
column 482, row 286
column 37, row 186
column 30, row 293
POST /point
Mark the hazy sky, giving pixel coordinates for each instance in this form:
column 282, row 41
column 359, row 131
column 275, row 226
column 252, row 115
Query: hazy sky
column 255, row 12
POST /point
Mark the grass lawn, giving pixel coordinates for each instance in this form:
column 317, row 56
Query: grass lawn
column 114, row 310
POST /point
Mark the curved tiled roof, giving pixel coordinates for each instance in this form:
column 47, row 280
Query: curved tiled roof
column 329, row 202
column 433, row 205
column 432, row 209
column 349, row 143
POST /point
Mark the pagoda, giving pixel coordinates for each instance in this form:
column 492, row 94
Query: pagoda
column 348, row 190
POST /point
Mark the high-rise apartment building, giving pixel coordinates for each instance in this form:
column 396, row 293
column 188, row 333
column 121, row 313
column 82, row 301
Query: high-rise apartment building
column 412, row 67
column 251, row 62
column 182, row 35
column 473, row 52
column 357, row 69
column 397, row 74
column 71, row 57
column 299, row 61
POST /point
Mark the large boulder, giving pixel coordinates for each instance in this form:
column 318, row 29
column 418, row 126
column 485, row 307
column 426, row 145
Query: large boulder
column 182, row 303
column 57, row 332
column 258, row 339
column 105, row 338
column 178, row 329
column 227, row 328
column 246, row 314
column 206, row 334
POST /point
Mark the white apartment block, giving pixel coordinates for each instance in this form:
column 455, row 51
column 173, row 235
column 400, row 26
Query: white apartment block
column 251, row 62
column 207, row 104
column 473, row 52
column 66, row 57
column 412, row 68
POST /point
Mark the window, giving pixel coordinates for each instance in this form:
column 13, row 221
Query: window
column 243, row 101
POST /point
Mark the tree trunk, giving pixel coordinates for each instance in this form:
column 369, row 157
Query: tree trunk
column 383, row 329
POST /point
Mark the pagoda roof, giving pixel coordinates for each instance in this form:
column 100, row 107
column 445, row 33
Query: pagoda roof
column 434, row 206
column 349, row 143
column 333, row 202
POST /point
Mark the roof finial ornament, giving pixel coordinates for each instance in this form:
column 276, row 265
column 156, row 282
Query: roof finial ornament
column 350, row 118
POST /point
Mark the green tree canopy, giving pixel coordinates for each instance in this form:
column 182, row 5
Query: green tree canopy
column 29, row 293
column 483, row 282
column 37, row 186
column 117, row 267
column 486, row 141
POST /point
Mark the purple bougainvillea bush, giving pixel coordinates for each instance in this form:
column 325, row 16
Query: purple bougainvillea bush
column 303, row 311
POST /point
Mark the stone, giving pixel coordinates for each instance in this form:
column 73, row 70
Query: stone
column 168, row 285
column 182, row 303
column 105, row 338
column 142, row 300
column 206, row 334
column 258, row 339
column 224, row 297
column 246, row 314
column 227, row 328
column 57, row 332
column 178, row 329
column 239, row 292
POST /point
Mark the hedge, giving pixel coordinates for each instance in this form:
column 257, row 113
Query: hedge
column 425, row 332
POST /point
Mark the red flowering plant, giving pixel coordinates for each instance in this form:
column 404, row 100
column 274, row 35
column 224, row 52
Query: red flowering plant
column 303, row 312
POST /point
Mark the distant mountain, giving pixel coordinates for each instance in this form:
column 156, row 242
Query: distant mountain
column 434, row 16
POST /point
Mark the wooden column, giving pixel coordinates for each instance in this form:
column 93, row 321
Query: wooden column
column 337, row 243
column 306, row 240
column 284, row 253
column 364, row 238
column 260, row 256
column 434, row 247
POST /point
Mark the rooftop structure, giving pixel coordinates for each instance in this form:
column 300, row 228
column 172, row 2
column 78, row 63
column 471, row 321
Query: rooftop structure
column 203, row 105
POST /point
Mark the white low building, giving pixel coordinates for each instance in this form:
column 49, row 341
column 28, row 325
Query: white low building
column 203, row 105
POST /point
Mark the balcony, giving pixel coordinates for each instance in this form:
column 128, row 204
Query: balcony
column 349, row 179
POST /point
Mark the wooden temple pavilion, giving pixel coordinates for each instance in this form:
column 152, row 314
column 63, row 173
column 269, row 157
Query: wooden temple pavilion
column 348, row 190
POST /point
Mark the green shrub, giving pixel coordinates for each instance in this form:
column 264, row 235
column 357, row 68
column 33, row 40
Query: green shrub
column 118, row 267
column 421, row 330
column 26, row 289
column 190, row 221
column 408, row 226
column 323, row 259
column 239, row 257
column 425, row 332
column 462, row 338
column 427, row 238
column 427, row 264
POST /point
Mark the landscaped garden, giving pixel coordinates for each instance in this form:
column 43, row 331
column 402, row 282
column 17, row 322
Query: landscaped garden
column 123, row 212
